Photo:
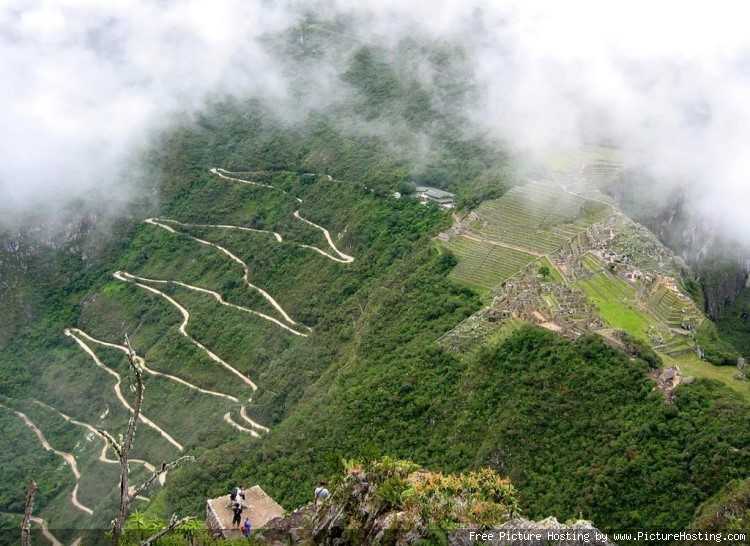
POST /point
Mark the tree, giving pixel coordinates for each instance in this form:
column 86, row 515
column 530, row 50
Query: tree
column 122, row 449
column 544, row 271
column 407, row 188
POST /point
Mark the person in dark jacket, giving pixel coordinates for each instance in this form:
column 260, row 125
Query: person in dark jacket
column 237, row 514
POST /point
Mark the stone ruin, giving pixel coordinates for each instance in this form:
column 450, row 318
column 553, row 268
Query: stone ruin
column 526, row 296
column 668, row 379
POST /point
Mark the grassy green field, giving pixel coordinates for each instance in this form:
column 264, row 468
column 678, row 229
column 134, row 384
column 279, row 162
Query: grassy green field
column 554, row 273
column 691, row 365
column 617, row 304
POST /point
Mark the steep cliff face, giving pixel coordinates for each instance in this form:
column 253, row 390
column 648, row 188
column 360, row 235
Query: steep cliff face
column 720, row 264
column 722, row 284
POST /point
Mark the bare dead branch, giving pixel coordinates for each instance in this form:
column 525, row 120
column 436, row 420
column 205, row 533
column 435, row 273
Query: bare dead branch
column 27, row 511
column 174, row 522
column 164, row 468
column 139, row 392
column 127, row 443
column 111, row 441
column 123, row 452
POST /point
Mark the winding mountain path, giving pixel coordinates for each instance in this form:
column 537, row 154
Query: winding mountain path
column 223, row 174
column 234, row 424
column 52, row 539
column 142, row 364
column 276, row 235
column 77, row 335
column 103, row 455
column 138, row 281
column 69, row 458
column 218, row 297
column 236, row 259
column 345, row 258
column 243, row 414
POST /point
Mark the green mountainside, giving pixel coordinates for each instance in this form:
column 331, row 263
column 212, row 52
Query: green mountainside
column 293, row 313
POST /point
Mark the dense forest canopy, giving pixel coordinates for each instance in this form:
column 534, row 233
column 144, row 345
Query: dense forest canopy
column 575, row 423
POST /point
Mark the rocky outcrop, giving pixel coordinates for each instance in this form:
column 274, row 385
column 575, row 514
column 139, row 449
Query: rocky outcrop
column 728, row 509
column 391, row 502
column 524, row 532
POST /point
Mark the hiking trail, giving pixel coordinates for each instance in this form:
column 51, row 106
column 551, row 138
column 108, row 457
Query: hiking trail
column 236, row 259
column 52, row 539
column 127, row 277
column 69, row 458
column 276, row 235
column 116, row 387
column 234, row 424
column 343, row 258
column 83, row 340
column 103, row 454
column 142, row 363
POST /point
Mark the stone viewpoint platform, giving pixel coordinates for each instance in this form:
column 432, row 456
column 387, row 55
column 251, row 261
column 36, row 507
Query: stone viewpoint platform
column 258, row 506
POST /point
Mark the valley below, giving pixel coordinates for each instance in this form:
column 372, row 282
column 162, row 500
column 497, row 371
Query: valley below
column 371, row 289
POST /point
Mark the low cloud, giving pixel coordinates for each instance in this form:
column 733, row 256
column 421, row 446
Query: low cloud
column 668, row 82
column 86, row 82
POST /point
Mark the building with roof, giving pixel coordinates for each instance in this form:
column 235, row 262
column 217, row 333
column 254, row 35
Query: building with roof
column 443, row 198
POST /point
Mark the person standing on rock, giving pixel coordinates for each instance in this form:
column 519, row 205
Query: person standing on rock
column 247, row 528
column 237, row 511
column 321, row 493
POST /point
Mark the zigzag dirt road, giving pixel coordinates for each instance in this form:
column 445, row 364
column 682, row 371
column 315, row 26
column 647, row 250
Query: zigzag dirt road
column 103, row 454
column 69, row 458
column 71, row 332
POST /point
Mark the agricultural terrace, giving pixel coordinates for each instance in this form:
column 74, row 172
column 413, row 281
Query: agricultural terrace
column 484, row 265
column 506, row 234
column 671, row 308
column 537, row 216
column 592, row 167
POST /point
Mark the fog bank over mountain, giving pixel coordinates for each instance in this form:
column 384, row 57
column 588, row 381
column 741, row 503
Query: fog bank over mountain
column 90, row 80
column 666, row 82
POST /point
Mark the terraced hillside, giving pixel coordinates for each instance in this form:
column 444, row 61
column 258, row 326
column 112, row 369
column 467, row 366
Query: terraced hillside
column 615, row 274
column 484, row 265
column 537, row 216
column 502, row 236
column 660, row 319
column 616, row 301
column 587, row 170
